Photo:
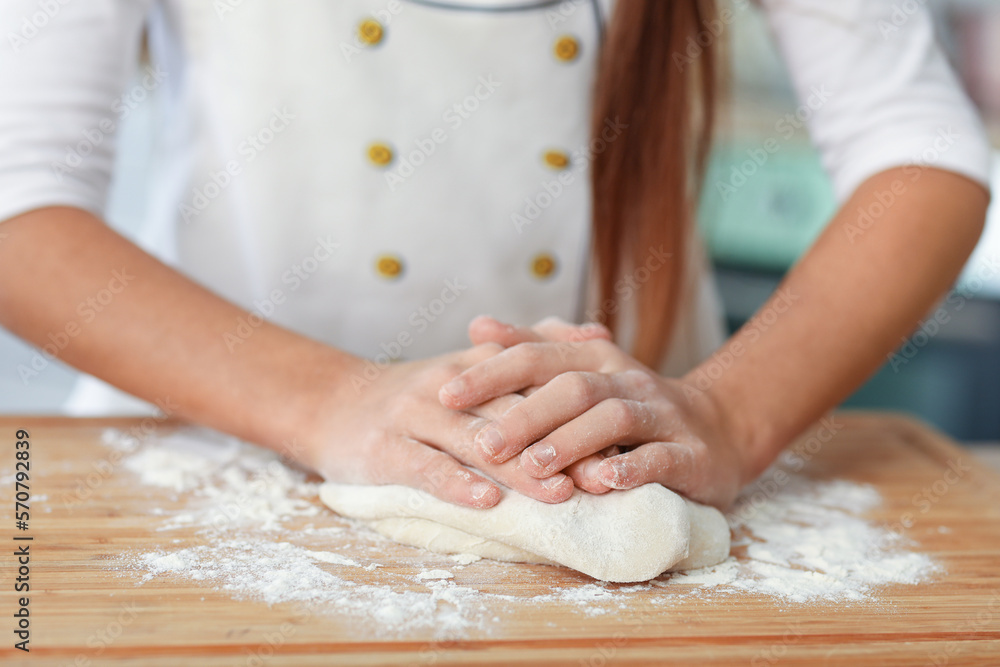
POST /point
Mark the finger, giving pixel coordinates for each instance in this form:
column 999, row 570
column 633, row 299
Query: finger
column 612, row 421
column 481, row 352
column 668, row 463
column 452, row 430
column 553, row 489
column 420, row 466
column 521, row 366
column 466, row 424
column 558, row 329
column 584, row 474
column 564, row 398
column 485, row 329
column 492, row 410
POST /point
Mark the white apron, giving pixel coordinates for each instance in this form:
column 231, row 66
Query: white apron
column 376, row 173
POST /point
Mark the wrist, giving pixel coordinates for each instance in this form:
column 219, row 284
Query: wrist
column 737, row 423
column 314, row 395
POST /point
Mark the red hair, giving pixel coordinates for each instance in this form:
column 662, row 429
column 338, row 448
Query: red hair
column 645, row 184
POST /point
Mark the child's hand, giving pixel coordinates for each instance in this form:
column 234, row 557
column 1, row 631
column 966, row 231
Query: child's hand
column 391, row 429
column 593, row 396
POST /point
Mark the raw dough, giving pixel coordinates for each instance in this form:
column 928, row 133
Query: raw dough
column 622, row 536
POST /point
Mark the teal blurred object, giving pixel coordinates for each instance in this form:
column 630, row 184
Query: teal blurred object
column 763, row 210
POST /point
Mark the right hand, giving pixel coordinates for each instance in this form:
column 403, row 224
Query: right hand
column 394, row 430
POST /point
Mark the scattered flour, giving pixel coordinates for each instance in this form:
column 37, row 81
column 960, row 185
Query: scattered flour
column 465, row 559
column 330, row 557
column 806, row 542
column 225, row 482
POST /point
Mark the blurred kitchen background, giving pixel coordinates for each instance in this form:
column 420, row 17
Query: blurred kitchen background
column 754, row 235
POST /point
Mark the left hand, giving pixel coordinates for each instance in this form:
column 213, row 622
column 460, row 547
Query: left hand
column 585, row 396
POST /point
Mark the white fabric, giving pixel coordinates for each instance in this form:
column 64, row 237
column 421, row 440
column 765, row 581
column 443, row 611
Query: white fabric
column 61, row 70
column 879, row 89
column 293, row 73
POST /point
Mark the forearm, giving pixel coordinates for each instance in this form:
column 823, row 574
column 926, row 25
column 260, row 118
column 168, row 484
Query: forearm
column 154, row 333
column 843, row 308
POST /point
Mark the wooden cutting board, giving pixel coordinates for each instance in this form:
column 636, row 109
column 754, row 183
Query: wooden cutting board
column 79, row 596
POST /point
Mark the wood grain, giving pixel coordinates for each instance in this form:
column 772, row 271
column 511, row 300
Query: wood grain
column 78, row 592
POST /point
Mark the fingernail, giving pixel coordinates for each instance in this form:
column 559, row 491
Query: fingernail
column 490, row 442
column 550, row 483
column 480, row 490
column 542, row 455
column 594, row 471
column 611, row 473
column 455, row 388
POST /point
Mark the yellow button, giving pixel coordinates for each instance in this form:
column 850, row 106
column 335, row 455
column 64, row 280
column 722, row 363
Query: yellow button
column 556, row 159
column 389, row 266
column 370, row 32
column 543, row 266
column 567, row 48
column 380, row 154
